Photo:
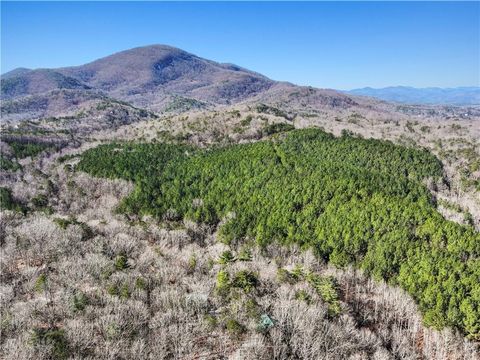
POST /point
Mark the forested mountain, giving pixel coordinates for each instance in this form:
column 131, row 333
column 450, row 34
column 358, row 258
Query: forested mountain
column 155, row 78
column 160, row 205
column 144, row 76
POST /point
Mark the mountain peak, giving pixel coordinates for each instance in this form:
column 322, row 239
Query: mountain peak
column 15, row 72
column 148, row 75
column 153, row 51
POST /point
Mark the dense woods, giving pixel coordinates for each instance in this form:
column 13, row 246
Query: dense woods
column 24, row 148
column 353, row 201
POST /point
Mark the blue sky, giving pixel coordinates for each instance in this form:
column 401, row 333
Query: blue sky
column 340, row 45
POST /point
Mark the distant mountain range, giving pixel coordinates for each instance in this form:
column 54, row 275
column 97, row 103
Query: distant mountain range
column 431, row 95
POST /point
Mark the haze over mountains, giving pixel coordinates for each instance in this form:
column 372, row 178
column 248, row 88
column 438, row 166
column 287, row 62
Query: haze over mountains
column 430, row 95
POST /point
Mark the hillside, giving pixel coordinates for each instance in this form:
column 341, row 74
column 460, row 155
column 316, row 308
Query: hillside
column 163, row 78
column 160, row 205
column 145, row 76
column 353, row 201
column 35, row 82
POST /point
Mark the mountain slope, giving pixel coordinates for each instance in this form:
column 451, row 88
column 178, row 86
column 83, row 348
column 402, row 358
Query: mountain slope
column 57, row 102
column 15, row 72
column 410, row 95
column 145, row 76
column 178, row 250
column 163, row 78
column 34, row 82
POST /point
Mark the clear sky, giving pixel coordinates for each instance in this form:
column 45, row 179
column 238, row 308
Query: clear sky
column 340, row 45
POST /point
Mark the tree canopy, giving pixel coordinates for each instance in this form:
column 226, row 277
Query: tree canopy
column 354, row 201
